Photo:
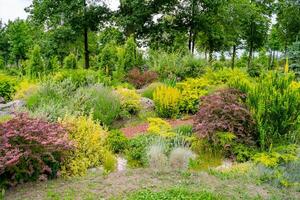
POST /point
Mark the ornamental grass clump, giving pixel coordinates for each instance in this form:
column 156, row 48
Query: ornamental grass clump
column 224, row 111
column 180, row 158
column 166, row 101
column 31, row 149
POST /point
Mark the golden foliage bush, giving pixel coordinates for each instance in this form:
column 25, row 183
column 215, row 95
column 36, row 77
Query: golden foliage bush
column 166, row 101
column 25, row 88
column 89, row 138
column 130, row 100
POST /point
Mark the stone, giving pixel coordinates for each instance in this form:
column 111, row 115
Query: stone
column 2, row 100
column 12, row 106
column 147, row 103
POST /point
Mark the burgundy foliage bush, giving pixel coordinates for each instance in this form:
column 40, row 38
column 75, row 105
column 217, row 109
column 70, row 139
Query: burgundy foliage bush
column 224, row 111
column 30, row 149
column 140, row 79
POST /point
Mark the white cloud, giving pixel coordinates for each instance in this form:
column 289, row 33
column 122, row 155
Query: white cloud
column 12, row 9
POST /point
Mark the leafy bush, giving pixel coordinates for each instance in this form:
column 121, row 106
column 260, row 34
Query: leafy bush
column 149, row 90
column 275, row 106
column 160, row 127
column 191, row 91
column 280, row 166
column 180, row 158
column 294, row 57
column 7, row 87
column 89, row 138
column 136, row 152
column 166, row 101
column 78, row 77
column 140, row 79
column 30, row 149
column 116, row 141
column 70, row 62
column 184, row 130
column 223, row 111
column 130, row 101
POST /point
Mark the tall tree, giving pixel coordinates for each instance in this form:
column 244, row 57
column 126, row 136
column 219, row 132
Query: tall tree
column 80, row 15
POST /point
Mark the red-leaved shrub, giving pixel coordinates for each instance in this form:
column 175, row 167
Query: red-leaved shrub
column 140, row 79
column 224, row 111
column 30, row 149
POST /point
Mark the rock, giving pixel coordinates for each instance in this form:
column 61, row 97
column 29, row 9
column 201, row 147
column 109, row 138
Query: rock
column 2, row 100
column 12, row 106
column 122, row 164
column 147, row 103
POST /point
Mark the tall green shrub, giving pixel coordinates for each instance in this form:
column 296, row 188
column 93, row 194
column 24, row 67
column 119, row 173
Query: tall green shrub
column 108, row 58
column 70, row 62
column 36, row 63
column 132, row 58
column 275, row 106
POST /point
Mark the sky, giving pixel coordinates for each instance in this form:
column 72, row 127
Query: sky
column 12, row 9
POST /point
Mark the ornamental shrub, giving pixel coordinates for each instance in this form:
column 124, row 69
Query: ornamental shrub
column 140, row 79
column 223, row 111
column 108, row 58
column 191, row 91
column 70, row 62
column 132, row 57
column 7, row 87
column 116, row 141
column 36, row 66
column 31, row 149
column 130, row 101
column 149, row 90
column 166, row 101
column 89, row 139
column 160, row 127
column 25, row 88
column 275, row 105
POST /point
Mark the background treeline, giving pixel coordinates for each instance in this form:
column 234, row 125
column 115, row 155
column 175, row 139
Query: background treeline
column 89, row 34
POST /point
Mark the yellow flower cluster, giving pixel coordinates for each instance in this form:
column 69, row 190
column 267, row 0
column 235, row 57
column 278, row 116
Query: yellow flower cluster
column 160, row 127
column 130, row 100
column 166, row 101
column 191, row 91
column 25, row 88
column 89, row 138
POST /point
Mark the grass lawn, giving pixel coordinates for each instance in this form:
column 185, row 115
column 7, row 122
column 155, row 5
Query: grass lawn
column 149, row 184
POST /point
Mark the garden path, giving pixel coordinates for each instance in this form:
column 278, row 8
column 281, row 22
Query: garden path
column 142, row 128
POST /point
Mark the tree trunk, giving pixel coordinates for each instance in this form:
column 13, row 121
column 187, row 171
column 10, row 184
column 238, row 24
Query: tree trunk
column 250, row 54
column 233, row 56
column 190, row 39
column 86, row 41
column 210, row 55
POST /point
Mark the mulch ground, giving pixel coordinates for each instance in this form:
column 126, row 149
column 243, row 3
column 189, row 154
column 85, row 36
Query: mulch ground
column 142, row 128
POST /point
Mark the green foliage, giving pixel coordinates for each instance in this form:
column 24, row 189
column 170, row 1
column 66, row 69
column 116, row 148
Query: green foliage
column 116, row 141
column 132, row 58
column 101, row 101
column 136, row 150
column 7, row 87
column 78, row 77
column 108, row 58
column 36, row 63
column 174, row 194
column 109, row 161
column 70, row 62
column 89, row 138
column 275, row 106
column 166, row 101
column 294, row 57
column 149, row 90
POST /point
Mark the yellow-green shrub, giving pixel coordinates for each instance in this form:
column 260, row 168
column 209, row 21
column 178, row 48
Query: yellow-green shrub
column 89, row 138
column 160, row 127
column 109, row 161
column 25, row 88
column 166, row 101
column 191, row 91
column 130, row 101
